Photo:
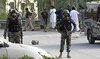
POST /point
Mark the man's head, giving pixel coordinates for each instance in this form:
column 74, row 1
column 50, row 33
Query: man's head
column 73, row 8
column 66, row 13
column 81, row 7
column 61, row 8
column 32, row 9
column 13, row 13
column 52, row 7
column 26, row 9
column 45, row 9
column 68, row 7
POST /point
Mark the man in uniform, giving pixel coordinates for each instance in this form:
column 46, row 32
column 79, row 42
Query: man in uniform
column 28, row 21
column 44, row 16
column 33, row 16
column 64, row 27
column 14, row 28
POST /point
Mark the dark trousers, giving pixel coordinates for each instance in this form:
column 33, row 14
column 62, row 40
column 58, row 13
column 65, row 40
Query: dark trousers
column 45, row 23
column 66, row 38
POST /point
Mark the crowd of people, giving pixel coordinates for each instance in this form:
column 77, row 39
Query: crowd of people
column 65, row 21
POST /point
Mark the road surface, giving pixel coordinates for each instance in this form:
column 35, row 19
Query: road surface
column 50, row 41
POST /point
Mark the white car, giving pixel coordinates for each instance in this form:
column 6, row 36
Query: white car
column 15, row 51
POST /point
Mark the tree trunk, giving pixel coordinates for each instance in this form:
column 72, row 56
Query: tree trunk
column 52, row 2
column 14, row 4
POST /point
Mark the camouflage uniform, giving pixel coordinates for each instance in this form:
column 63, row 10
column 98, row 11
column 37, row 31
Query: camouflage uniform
column 14, row 37
column 64, row 27
column 66, row 33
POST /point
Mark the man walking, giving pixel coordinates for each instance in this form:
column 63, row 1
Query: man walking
column 64, row 27
column 33, row 16
column 75, row 16
column 28, row 20
column 14, row 28
column 44, row 16
column 52, row 17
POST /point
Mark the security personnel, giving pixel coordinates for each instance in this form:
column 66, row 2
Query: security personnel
column 14, row 28
column 28, row 21
column 64, row 27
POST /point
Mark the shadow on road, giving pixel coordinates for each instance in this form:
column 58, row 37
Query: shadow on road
column 82, row 46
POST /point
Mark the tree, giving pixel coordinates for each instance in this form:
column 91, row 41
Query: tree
column 52, row 2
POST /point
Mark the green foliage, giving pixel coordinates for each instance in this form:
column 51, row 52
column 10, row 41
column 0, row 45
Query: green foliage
column 3, row 4
column 26, row 57
column 27, row 4
column 3, row 16
column 4, row 57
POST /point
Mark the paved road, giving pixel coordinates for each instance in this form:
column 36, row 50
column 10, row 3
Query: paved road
column 50, row 41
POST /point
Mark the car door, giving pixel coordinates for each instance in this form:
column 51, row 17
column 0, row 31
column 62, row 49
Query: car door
column 15, row 51
column 96, row 28
column 3, row 52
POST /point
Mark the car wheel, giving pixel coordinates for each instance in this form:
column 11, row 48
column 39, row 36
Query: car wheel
column 90, row 37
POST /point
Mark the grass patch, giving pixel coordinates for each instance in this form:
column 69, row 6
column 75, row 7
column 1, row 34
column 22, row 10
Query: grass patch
column 27, row 57
column 3, row 16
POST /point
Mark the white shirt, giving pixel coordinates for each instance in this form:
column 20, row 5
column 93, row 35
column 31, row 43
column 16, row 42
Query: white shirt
column 53, row 15
column 74, row 14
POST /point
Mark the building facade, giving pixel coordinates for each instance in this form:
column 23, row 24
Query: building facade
column 20, row 4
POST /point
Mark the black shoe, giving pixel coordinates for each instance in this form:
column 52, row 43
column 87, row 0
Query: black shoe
column 68, row 56
column 32, row 30
column 24, row 30
column 60, row 56
column 45, row 31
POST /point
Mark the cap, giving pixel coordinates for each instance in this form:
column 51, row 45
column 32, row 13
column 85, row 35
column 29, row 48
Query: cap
column 13, row 11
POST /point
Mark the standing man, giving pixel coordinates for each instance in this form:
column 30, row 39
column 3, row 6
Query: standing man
column 82, row 15
column 64, row 27
column 59, row 14
column 98, row 13
column 33, row 16
column 14, row 28
column 75, row 16
column 52, row 17
column 69, row 8
column 44, row 16
column 28, row 20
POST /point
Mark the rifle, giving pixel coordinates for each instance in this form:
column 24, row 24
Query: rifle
column 21, row 38
column 68, row 32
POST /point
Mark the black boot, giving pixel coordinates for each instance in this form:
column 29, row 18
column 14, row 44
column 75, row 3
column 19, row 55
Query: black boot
column 68, row 55
column 60, row 56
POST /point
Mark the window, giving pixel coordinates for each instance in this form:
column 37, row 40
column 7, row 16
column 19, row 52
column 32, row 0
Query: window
column 12, row 5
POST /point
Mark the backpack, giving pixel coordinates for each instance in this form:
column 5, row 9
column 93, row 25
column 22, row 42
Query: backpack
column 14, row 25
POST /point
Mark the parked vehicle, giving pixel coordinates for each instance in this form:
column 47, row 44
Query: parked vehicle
column 92, row 25
column 15, row 51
